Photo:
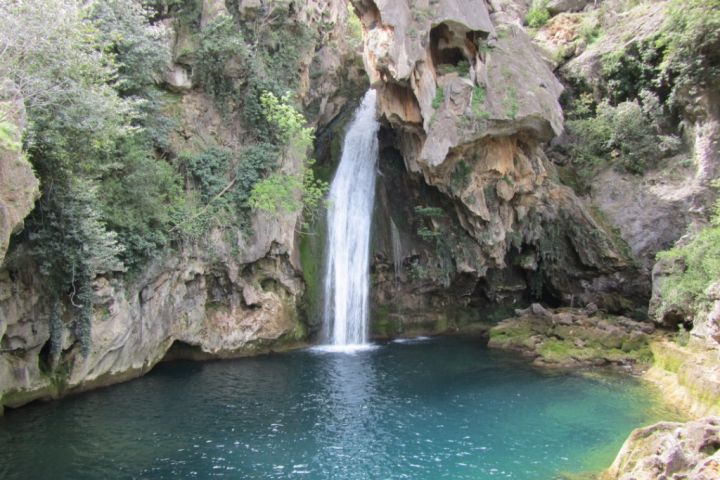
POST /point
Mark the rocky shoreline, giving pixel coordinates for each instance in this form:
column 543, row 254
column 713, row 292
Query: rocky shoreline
column 576, row 338
column 687, row 377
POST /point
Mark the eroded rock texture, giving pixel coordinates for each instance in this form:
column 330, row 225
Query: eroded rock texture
column 232, row 293
column 669, row 450
column 18, row 185
column 468, row 102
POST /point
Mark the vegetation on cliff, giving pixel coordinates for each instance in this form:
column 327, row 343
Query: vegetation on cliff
column 116, row 192
column 695, row 267
column 629, row 117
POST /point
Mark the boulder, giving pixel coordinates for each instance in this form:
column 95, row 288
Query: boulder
column 177, row 79
column 560, row 6
column 670, row 450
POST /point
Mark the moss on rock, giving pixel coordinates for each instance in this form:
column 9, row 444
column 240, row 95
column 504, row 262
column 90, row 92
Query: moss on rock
column 573, row 338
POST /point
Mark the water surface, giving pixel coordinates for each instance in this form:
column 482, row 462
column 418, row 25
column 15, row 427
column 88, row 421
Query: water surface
column 442, row 408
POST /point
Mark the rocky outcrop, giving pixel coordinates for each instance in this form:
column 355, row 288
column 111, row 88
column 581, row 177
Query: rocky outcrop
column 669, row 450
column 231, row 293
column 221, row 303
column 573, row 338
column 18, row 185
column 560, row 6
column 688, row 373
column 654, row 210
column 467, row 102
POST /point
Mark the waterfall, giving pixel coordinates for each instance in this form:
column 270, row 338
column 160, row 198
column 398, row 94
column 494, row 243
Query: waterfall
column 396, row 249
column 349, row 216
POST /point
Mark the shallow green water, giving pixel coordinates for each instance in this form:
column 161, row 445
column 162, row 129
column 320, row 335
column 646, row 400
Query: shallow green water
column 444, row 408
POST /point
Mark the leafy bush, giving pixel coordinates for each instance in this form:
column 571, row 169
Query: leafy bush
column 690, row 37
column 538, row 15
column 590, row 29
column 684, row 52
column 140, row 198
column 697, row 266
column 625, row 135
column 354, row 31
column 511, row 103
column 478, row 103
column 224, row 182
column 288, row 192
column 462, row 68
column 439, row 97
column 429, row 212
column 631, row 70
column 222, row 59
column 84, row 71
column 138, row 47
column 461, row 175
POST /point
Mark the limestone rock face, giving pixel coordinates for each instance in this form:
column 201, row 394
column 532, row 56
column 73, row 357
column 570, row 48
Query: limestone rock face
column 559, row 6
column 212, row 9
column 18, row 185
column 210, row 301
column 671, row 450
column 177, row 79
column 233, row 293
column 468, row 101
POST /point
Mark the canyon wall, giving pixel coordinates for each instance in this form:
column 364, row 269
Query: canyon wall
column 233, row 292
column 472, row 212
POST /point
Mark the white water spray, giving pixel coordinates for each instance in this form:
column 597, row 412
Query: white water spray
column 349, row 216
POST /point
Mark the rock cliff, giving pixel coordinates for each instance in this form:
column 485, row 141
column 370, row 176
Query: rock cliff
column 233, row 292
column 467, row 102
column 18, row 185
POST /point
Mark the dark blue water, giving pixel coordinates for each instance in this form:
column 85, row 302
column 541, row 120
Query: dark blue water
column 445, row 408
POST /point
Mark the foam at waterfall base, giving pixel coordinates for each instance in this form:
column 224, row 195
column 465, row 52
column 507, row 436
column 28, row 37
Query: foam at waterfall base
column 351, row 348
column 412, row 339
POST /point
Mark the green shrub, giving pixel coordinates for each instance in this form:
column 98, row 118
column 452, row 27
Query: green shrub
column 439, row 97
column 430, row 212
column 690, row 37
column 626, row 136
column 538, row 15
column 139, row 47
column 511, row 103
column 139, row 201
column 682, row 337
column 685, row 52
column 287, row 192
column 222, row 59
column 629, row 71
column 224, row 181
column 697, row 266
column 461, row 175
column 478, row 103
column 354, row 31
column 590, row 30
column 462, row 68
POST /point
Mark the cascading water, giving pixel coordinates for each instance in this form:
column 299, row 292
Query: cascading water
column 396, row 249
column 349, row 216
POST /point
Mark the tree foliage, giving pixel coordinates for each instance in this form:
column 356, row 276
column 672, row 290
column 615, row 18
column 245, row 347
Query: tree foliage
column 114, row 193
column 85, row 71
column 538, row 15
column 690, row 38
column 288, row 192
column 696, row 267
